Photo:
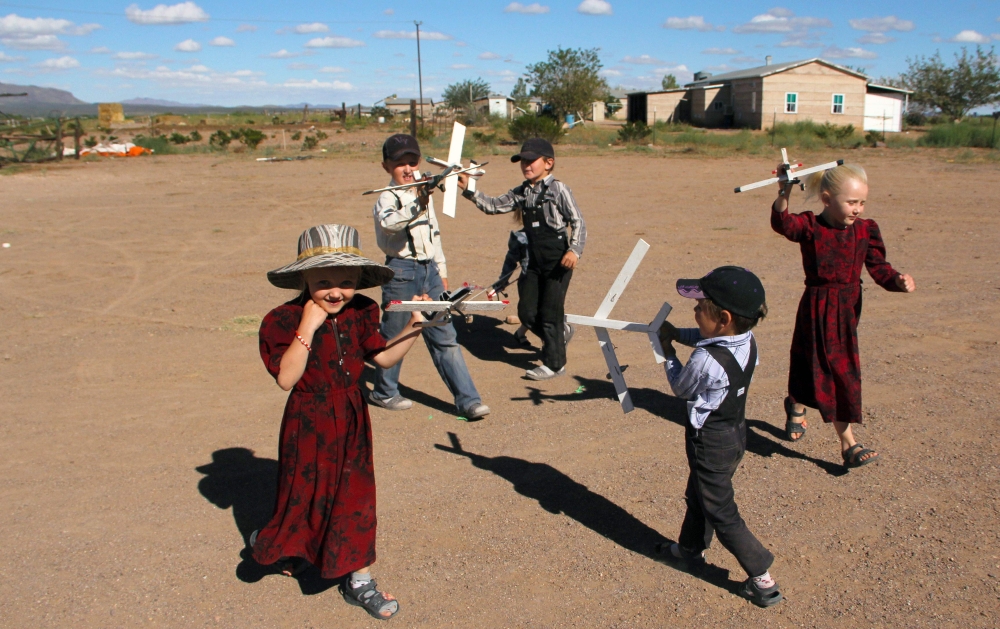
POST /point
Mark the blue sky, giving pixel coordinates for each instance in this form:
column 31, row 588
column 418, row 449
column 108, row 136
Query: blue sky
column 254, row 52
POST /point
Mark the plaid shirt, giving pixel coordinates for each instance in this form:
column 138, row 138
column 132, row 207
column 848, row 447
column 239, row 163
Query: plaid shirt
column 560, row 208
column 402, row 230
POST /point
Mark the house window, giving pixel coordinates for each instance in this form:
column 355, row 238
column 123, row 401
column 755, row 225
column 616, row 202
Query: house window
column 718, row 105
column 838, row 104
column 791, row 103
column 753, row 102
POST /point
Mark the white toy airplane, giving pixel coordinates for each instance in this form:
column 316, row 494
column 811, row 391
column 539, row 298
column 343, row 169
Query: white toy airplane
column 433, row 181
column 602, row 324
column 455, row 160
column 789, row 175
column 458, row 303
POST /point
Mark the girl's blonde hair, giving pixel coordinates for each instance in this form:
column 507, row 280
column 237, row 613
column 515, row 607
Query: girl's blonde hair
column 833, row 180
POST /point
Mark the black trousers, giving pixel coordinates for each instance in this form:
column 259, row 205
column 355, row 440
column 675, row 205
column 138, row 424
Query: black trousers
column 541, row 300
column 713, row 456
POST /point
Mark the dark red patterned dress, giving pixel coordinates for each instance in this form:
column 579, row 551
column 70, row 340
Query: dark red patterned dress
column 825, row 370
column 325, row 511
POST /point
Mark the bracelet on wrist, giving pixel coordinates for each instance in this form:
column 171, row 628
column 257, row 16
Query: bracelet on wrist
column 303, row 341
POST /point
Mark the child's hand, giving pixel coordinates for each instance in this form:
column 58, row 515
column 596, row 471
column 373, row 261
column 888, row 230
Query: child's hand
column 569, row 260
column 668, row 349
column 418, row 316
column 463, row 180
column 906, row 283
column 668, row 333
column 313, row 316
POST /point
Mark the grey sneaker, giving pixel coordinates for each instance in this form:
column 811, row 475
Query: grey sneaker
column 568, row 333
column 542, row 372
column 476, row 411
column 395, row 403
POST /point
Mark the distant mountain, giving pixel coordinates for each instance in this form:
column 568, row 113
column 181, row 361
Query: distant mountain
column 159, row 102
column 38, row 95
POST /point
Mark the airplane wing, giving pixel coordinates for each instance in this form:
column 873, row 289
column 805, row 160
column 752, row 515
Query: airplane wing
column 793, row 174
column 421, row 306
column 481, row 306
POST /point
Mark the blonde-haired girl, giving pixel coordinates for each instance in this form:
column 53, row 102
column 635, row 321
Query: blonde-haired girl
column 825, row 369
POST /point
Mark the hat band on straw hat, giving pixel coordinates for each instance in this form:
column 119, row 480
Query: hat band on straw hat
column 318, row 251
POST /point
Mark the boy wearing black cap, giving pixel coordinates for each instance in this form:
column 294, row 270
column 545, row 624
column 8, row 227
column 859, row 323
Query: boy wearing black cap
column 407, row 231
column 715, row 382
column 556, row 235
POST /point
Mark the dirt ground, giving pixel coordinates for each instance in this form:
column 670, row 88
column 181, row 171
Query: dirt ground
column 138, row 427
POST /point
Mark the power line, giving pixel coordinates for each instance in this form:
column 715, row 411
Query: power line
column 210, row 19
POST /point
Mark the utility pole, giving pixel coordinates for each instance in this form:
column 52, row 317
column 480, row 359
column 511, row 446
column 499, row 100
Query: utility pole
column 420, row 75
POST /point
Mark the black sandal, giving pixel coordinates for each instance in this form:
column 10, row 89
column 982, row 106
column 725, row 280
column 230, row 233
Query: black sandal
column 852, row 456
column 368, row 598
column 793, row 428
column 683, row 558
column 761, row 597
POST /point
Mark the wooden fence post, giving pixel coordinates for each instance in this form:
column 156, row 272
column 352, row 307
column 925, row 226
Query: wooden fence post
column 77, row 132
column 413, row 117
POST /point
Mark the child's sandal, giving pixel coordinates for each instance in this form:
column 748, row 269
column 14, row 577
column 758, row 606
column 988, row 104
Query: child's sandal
column 761, row 597
column 793, row 428
column 853, row 456
column 369, row 598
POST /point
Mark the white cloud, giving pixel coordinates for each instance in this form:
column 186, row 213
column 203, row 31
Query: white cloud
column 334, row 42
column 876, row 38
column 37, row 42
column 315, row 27
column 389, row 12
column 300, row 66
column 780, row 20
column 182, row 13
column 642, row 60
column 222, row 41
column 245, row 73
column 800, row 41
column 833, row 52
column 489, row 56
column 314, row 84
column 595, row 7
column 333, row 70
column 246, row 28
column 100, row 50
column 970, row 37
column 695, row 22
column 428, row 35
column 672, row 69
column 5, row 58
column 199, row 68
column 881, row 24
column 720, row 51
column 461, row 66
column 745, row 60
column 528, row 9
column 284, row 54
column 610, row 72
column 61, row 63
column 133, row 56
column 188, row 45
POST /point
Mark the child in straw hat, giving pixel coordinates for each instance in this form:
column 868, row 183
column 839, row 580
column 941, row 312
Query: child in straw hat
column 315, row 346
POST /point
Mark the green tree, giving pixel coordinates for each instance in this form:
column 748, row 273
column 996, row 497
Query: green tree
column 669, row 82
column 459, row 96
column 955, row 90
column 521, row 94
column 568, row 80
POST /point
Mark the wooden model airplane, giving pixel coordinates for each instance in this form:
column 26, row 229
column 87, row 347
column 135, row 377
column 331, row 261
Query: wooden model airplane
column 788, row 175
column 602, row 324
column 458, row 303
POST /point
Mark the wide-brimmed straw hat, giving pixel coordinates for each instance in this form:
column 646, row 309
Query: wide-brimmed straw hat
column 327, row 246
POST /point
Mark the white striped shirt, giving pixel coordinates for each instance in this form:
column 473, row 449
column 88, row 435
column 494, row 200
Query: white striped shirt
column 703, row 381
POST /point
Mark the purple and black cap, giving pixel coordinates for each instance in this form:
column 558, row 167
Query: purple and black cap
column 533, row 148
column 399, row 145
column 732, row 288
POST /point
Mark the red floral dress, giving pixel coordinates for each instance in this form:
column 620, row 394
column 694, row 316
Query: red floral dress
column 325, row 511
column 825, row 369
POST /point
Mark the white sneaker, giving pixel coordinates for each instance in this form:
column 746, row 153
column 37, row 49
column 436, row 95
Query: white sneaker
column 476, row 411
column 542, row 372
column 568, row 333
column 395, row 403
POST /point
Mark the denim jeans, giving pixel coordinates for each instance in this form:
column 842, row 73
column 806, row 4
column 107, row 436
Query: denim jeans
column 414, row 278
column 713, row 454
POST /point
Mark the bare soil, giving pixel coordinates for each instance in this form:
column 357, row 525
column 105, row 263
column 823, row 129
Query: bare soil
column 138, row 427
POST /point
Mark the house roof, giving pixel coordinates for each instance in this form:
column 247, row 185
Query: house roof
column 774, row 68
column 493, row 97
column 888, row 88
column 406, row 101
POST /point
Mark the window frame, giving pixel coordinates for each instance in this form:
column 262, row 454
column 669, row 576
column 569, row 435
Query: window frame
column 794, row 102
column 834, row 104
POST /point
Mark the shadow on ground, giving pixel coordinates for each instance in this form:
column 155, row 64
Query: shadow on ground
column 490, row 340
column 558, row 493
column 674, row 409
column 237, row 479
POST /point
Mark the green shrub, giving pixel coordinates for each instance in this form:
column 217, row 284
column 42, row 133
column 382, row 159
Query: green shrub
column 178, row 138
column 634, row 132
column 529, row 126
column 159, row 145
column 220, row 139
column 321, row 135
column 310, row 143
column 195, row 136
column 968, row 133
column 425, row 134
column 915, row 119
column 489, row 139
column 249, row 137
column 296, row 136
column 90, row 142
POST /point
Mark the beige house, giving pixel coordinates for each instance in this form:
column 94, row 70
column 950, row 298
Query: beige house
column 756, row 98
column 401, row 106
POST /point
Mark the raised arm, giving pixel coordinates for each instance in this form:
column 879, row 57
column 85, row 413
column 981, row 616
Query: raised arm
column 795, row 227
column 502, row 204
column 393, row 215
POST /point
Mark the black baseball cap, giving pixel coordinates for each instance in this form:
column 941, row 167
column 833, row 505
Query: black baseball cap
column 533, row 148
column 732, row 288
column 399, row 145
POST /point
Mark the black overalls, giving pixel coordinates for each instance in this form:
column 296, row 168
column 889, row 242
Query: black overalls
column 542, row 288
column 714, row 452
